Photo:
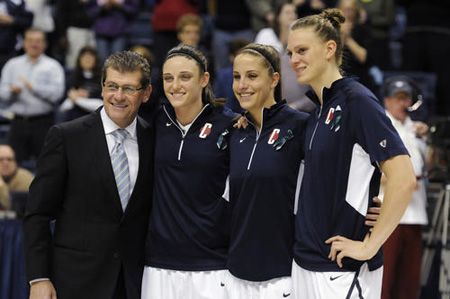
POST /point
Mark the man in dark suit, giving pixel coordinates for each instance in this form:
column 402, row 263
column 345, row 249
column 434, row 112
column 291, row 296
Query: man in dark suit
column 94, row 178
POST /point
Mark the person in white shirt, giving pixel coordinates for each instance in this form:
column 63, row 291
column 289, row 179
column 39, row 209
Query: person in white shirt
column 403, row 250
column 31, row 85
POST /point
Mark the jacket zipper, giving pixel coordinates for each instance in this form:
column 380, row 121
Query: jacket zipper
column 183, row 134
column 315, row 128
column 256, row 139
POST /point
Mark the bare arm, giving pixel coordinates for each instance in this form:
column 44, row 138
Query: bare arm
column 400, row 184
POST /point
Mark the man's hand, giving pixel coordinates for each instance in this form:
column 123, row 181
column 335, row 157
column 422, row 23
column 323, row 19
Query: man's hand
column 26, row 83
column 42, row 290
column 14, row 89
column 6, row 19
column 421, row 128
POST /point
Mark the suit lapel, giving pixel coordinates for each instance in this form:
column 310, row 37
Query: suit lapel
column 103, row 161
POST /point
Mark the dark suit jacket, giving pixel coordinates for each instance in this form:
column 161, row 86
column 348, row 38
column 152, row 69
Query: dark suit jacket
column 93, row 238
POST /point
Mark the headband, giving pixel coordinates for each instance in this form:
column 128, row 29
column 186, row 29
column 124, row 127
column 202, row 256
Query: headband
column 187, row 53
column 266, row 56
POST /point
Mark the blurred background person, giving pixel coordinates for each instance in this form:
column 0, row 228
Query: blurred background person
column 223, row 83
column 403, row 249
column 84, row 93
column 32, row 84
column 149, row 108
column 231, row 21
column 263, row 12
column 426, row 44
column 356, row 38
column 312, row 7
column 380, row 16
column 14, row 19
column 189, row 30
column 276, row 36
column 111, row 20
column 73, row 25
column 43, row 20
column 166, row 14
column 12, row 177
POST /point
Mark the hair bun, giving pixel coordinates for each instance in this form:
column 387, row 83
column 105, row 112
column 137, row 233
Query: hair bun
column 333, row 15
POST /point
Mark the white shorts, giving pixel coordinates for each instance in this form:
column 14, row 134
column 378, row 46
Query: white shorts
column 276, row 288
column 172, row 284
column 340, row 285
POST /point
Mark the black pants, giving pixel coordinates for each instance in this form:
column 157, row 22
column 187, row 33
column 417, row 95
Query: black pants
column 27, row 135
column 121, row 291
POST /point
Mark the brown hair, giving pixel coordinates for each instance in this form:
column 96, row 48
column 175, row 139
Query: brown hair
column 128, row 61
column 189, row 19
column 327, row 25
column 271, row 60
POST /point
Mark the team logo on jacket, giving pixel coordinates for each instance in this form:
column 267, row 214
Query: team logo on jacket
column 274, row 136
column 330, row 116
column 205, row 131
column 383, row 143
column 334, row 117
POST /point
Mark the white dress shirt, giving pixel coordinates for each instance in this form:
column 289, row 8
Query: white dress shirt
column 130, row 144
column 416, row 211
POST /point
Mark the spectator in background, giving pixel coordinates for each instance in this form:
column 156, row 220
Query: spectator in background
column 84, row 94
column 14, row 18
column 148, row 109
column 223, row 83
column 263, row 12
column 276, row 36
column 111, row 21
column 232, row 21
column 312, row 7
column 189, row 30
column 356, row 38
column 403, row 249
column 381, row 16
column 43, row 20
column 12, row 177
column 166, row 14
column 32, row 84
column 426, row 44
column 73, row 26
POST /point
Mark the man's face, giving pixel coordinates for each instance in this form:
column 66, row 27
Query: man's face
column 34, row 43
column 122, row 95
column 8, row 163
column 397, row 105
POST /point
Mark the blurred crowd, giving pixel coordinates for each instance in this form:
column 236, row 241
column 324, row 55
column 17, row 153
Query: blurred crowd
column 51, row 52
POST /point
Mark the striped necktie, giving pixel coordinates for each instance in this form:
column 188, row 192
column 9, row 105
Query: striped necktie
column 119, row 163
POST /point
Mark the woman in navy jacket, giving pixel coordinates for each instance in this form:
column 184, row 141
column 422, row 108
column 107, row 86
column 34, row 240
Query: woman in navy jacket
column 265, row 160
column 188, row 234
column 349, row 141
